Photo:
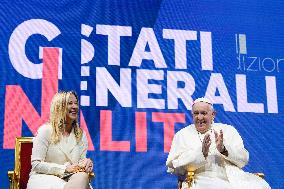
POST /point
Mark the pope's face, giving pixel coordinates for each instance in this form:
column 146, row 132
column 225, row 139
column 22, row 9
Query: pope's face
column 203, row 115
column 72, row 108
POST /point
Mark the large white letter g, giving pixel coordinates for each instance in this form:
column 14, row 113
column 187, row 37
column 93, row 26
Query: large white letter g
column 18, row 41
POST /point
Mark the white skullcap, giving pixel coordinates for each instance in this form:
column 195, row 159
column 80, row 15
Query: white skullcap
column 202, row 99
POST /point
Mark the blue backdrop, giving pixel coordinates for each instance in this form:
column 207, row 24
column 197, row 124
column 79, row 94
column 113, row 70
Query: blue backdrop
column 129, row 61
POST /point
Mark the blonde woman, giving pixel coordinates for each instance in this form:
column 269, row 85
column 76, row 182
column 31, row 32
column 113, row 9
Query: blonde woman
column 59, row 148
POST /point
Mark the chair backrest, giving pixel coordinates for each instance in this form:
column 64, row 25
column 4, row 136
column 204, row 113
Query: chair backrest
column 23, row 152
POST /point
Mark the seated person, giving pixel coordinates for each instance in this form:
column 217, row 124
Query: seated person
column 214, row 150
column 59, row 148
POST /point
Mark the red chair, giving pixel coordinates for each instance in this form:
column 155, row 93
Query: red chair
column 19, row 177
column 23, row 150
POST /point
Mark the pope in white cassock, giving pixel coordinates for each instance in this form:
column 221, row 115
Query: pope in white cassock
column 214, row 150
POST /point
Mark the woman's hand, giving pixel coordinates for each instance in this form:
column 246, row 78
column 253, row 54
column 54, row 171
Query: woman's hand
column 72, row 168
column 86, row 164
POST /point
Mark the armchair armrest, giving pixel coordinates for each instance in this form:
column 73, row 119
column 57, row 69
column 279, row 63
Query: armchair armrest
column 261, row 175
column 190, row 178
column 92, row 175
column 12, row 178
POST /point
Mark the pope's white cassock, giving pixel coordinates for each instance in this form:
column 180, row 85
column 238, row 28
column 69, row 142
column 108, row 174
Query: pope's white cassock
column 216, row 171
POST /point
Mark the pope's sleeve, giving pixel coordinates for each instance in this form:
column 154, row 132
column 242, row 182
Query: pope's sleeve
column 40, row 146
column 237, row 154
column 184, row 156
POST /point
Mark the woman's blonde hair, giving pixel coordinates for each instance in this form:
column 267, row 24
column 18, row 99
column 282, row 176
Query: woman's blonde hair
column 57, row 118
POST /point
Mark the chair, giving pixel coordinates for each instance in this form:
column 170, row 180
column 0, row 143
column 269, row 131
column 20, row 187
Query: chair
column 190, row 178
column 19, row 177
